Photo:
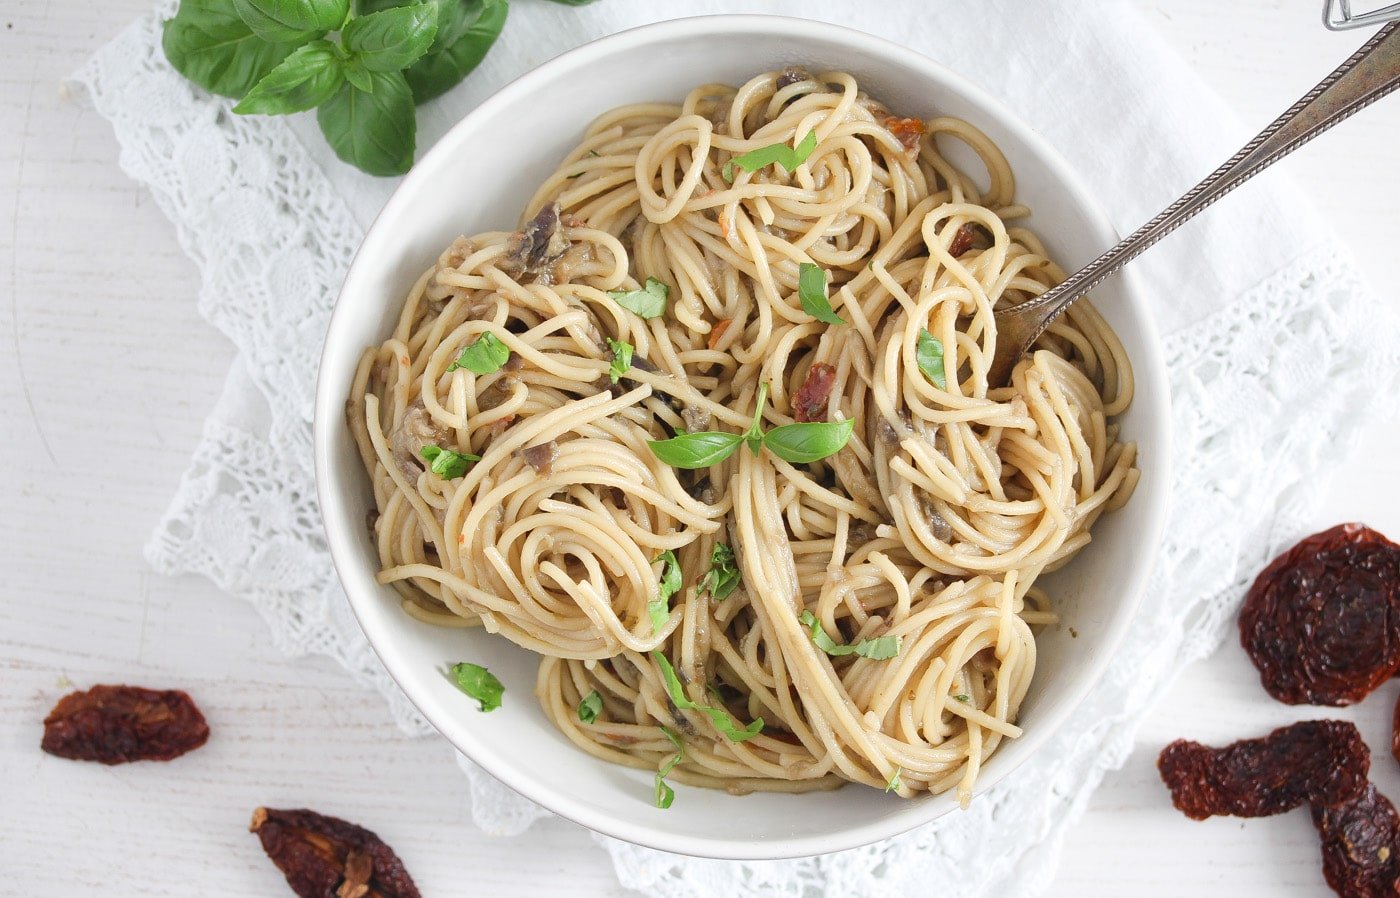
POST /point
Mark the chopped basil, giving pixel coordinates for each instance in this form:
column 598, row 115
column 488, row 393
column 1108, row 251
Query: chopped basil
column 963, row 698
column 879, row 648
column 809, row 441
column 811, row 292
column 479, row 683
column 723, row 577
column 590, row 707
column 718, row 716
column 670, row 583
column 447, row 463
column 929, row 354
column 696, row 450
column 485, row 355
column 894, row 780
column 648, row 302
column 664, row 794
column 796, row 443
column 788, row 157
column 621, row 360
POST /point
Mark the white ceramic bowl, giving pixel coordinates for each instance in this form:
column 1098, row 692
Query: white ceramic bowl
column 477, row 178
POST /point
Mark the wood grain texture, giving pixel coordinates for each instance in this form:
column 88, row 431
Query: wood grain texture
column 106, row 373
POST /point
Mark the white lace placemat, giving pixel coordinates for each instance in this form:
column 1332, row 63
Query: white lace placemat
column 1272, row 345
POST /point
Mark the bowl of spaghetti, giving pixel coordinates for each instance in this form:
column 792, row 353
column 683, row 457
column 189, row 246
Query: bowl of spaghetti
column 657, row 454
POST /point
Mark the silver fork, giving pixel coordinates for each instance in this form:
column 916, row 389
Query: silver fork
column 1371, row 73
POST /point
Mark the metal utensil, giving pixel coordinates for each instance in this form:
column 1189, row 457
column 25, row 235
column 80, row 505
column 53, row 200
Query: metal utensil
column 1337, row 15
column 1371, row 73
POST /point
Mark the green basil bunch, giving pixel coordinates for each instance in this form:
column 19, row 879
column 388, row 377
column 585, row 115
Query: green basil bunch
column 363, row 71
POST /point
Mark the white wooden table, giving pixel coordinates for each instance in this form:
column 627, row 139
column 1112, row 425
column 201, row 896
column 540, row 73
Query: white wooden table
column 106, row 373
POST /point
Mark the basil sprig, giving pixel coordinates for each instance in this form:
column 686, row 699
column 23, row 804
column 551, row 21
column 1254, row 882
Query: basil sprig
column 590, row 707
column 718, row 716
column 879, row 648
column 723, row 576
column 483, row 355
column 663, row 793
column 479, row 683
column 928, row 352
column 811, row 292
column 448, row 463
column 362, row 71
column 648, row 302
column 782, row 154
column 669, row 584
column 798, row 444
column 621, row 358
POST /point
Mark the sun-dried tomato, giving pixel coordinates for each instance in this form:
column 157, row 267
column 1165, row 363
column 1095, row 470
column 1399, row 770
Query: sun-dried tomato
column 1361, row 845
column 1320, row 761
column 1395, row 732
column 962, row 240
column 1322, row 622
column 717, row 332
column 908, row 131
column 325, row 856
column 810, row 402
column 117, row 724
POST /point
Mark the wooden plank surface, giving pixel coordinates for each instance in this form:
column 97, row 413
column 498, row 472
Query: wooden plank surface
column 106, row 373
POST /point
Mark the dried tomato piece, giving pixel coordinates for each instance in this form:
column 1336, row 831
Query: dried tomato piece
column 1320, row 761
column 1395, row 732
column 810, row 402
column 117, row 724
column 962, row 240
column 1322, row 622
column 1361, row 845
column 908, row 131
column 325, row 856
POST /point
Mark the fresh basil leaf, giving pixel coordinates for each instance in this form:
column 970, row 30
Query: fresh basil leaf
column 359, row 77
column 466, row 31
column 879, row 648
column 307, row 78
column 663, row 794
column 447, row 463
column 718, row 716
column 670, row 583
column 648, row 302
column 754, row 435
column 696, row 450
column 808, row 442
column 621, row 360
column 928, row 352
column 479, row 683
column 209, row 44
column 788, row 157
column 894, row 780
column 292, row 20
column 372, row 131
column 484, row 355
column 723, row 576
column 811, row 292
column 393, row 39
column 590, row 707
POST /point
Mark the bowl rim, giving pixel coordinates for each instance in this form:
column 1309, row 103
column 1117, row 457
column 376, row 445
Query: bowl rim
column 328, row 414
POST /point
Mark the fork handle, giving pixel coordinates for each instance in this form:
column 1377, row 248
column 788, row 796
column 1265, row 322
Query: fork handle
column 1372, row 72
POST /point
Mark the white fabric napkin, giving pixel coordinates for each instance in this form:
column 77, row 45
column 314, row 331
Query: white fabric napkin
column 1272, row 343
